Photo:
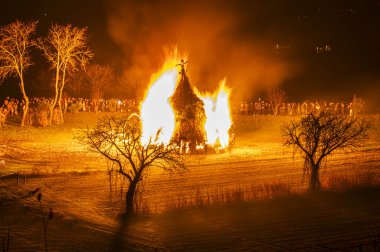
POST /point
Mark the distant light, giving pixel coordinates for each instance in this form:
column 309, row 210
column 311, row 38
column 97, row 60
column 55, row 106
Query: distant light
column 323, row 49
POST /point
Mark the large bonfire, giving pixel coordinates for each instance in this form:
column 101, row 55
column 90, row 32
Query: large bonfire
column 173, row 114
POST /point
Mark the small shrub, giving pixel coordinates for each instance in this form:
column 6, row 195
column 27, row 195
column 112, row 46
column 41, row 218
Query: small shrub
column 29, row 119
column 43, row 118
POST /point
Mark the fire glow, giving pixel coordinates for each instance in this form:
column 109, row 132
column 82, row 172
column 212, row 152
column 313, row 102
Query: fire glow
column 218, row 116
column 157, row 114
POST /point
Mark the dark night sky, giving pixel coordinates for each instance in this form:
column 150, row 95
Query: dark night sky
column 351, row 28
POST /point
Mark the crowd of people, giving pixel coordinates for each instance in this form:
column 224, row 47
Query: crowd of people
column 262, row 107
column 10, row 107
column 13, row 107
column 89, row 105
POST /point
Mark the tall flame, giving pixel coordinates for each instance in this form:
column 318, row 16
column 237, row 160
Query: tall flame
column 158, row 117
column 157, row 114
column 218, row 115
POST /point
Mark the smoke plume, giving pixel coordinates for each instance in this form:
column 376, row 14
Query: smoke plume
column 221, row 39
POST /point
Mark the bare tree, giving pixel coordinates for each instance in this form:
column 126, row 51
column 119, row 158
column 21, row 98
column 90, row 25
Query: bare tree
column 276, row 96
column 66, row 50
column 15, row 44
column 118, row 139
column 316, row 136
column 99, row 77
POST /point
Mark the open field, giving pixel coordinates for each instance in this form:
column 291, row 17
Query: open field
column 221, row 203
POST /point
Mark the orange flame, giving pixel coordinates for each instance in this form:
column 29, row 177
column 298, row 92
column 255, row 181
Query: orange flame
column 157, row 114
column 218, row 115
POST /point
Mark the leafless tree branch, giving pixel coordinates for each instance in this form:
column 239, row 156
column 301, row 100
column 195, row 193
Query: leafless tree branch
column 118, row 139
column 15, row 44
column 316, row 136
column 66, row 50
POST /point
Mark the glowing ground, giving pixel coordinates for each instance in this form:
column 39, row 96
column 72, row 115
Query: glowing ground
column 222, row 203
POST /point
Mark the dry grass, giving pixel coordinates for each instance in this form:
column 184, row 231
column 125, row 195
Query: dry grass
column 229, row 196
column 336, row 182
column 350, row 181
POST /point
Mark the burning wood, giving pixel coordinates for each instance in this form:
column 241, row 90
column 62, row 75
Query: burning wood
column 189, row 120
column 190, row 116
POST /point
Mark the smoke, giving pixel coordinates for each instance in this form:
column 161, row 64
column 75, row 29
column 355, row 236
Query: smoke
column 221, row 38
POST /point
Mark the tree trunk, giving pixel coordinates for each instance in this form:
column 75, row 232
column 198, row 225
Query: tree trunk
column 60, row 94
column 130, row 197
column 51, row 111
column 314, row 183
column 22, row 87
column 60, row 110
column 26, row 110
column 275, row 110
column 96, row 106
column 52, row 105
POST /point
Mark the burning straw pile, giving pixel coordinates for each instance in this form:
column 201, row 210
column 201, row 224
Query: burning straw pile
column 190, row 116
column 188, row 120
